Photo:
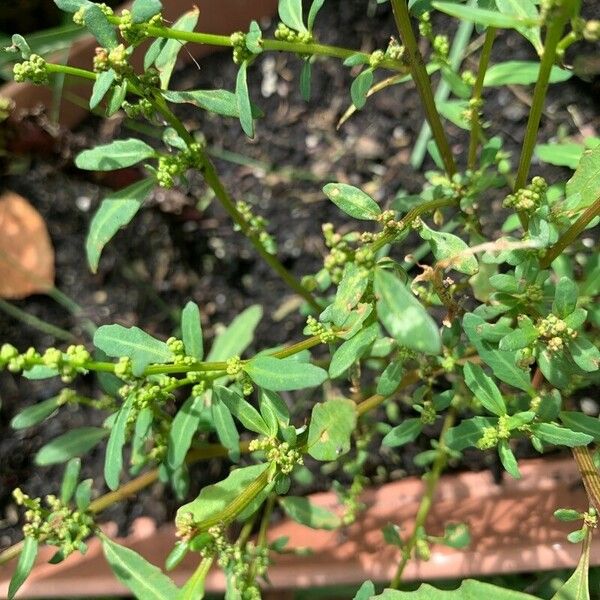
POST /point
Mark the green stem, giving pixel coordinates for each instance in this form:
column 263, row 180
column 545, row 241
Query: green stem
column 32, row 321
column 486, row 51
column 554, row 32
column 572, row 233
column 422, row 83
column 431, row 480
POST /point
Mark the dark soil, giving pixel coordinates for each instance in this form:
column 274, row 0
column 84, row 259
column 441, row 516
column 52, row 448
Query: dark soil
column 182, row 247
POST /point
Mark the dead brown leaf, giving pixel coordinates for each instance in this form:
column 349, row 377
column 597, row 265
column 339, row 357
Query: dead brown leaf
column 26, row 252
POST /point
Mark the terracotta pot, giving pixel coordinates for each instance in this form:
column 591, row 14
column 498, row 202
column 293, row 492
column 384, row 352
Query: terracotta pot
column 231, row 15
column 511, row 524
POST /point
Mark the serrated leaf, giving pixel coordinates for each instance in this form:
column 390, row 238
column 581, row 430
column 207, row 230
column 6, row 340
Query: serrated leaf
column 191, row 331
column 408, row 431
column 489, row 18
column 225, row 426
column 352, row 350
column 101, row 86
column 116, row 210
column 32, row 415
column 99, row 26
column 242, row 410
column 577, row 421
column 144, row 10
column 139, row 576
column 69, row 480
column 330, row 429
column 560, row 436
column 484, row 389
column 165, row 61
column 182, row 431
column 290, row 12
column 303, row 511
column 242, row 98
column 139, row 346
column 508, row 460
column 360, row 86
column 24, row 566
column 279, row 375
column 353, row 201
column 116, row 155
column 237, row 336
column 403, row 316
column 390, row 378
column 113, row 458
column 520, row 72
column 75, row 442
column 449, row 247
column 586, row 179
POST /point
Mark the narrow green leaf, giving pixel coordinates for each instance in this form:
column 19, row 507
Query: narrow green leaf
column 221, row 102
column 139, row 346
column 32, row 415
column 330, row 429
column 101, row 86
column 139, row 576
column 315, row 7
column 390, row 378
column 278, row 375
column 352, row 350
column 68, row 445
column 305, row 80
column 71, row 6
column 353, row 201
column 69, row 480
column 116, row 99
column 194, row 586
column 484, row 389
column 568, row 514
column 273, row 410
column 165, row 61
column 586, row 179
column 237, row 337
column 144, row 10
column 99, row 26
column 525, row 9
column 116, row 155
column 560, row 436
column 116, row 210
column 290, row 12
column 242, row 98
column 508, row 460
column 408, row 431
column 83, row 494
column 447, row 246
column 565, row 297
column 191, row 330
column 577, row 587
column 113, row 459
column 303, row 511
column 577, row 421
column 360, row 86
column 242, row 410
column 182, row 431
column 24, row 566
column 520, row 72
column 562, row 154
column 153, row 51
column 489, row 18
column 403, row 315
column 226, row 430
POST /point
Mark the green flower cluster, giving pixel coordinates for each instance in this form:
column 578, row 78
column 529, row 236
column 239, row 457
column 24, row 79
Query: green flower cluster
column 394, row 50
column 171, row 166
column 34, row 69
column 323, row 331
column 555, row 332
column 240, row 50
column 492, row 435
column 132, row 32
column 285, row 34
column 79, row 15
column 57, row 525
column 340, row 252
column 256, row 227
column 285, row 457
column 116, row 59
column 529, row 198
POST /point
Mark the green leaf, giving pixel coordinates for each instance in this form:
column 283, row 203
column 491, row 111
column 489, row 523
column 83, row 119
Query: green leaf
column 586, row 179
column 501, row 362
column 68, row 445
column 165, row 61
column 153, row 51
column 116, row 210
column 144, row 10
column 40, row 372
column 517, row 339
column 242, row 98
column 457, row 535
column 350, row 290
column 237, row 337
column 315, row 7
column 116, row 155
column 225, row 426
column 99, row 26
column 24, row 566
column 242, row 410
column 467, row 433
column 139, row 346
column 585, row 355
column 32, row 415
column 274, row 411
column 182, row 431
column 305, row 80
column 489, row 18
column 330, row 429
column 71, row 6
column 116, row 99
column 408, row 431
column 565, row 297
column 390, row 378
column 221, row 102
column 484, row 389
column 352, row 201
column 290, row 12
column 83, row 494
column 577, row 421
column 358, row 58
column 577, row 587
column 449, row 247
column 560, row 436
column 177, row 554
column 403, row 316
column 469, row 590
column 365, row 591
column 191, row 331
column 279, row 375
column 562, row 154
column 508, row 460
column 303, row 511
column 254, row 38
column 352, row 350
column 113, row 459
column 69, row 480
column 214, row 499
column 101, row 86
column 360, row 86
column 139, row 576
column 567, row 514
column 520, row 72
column 391, row 535
column 525, row 9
